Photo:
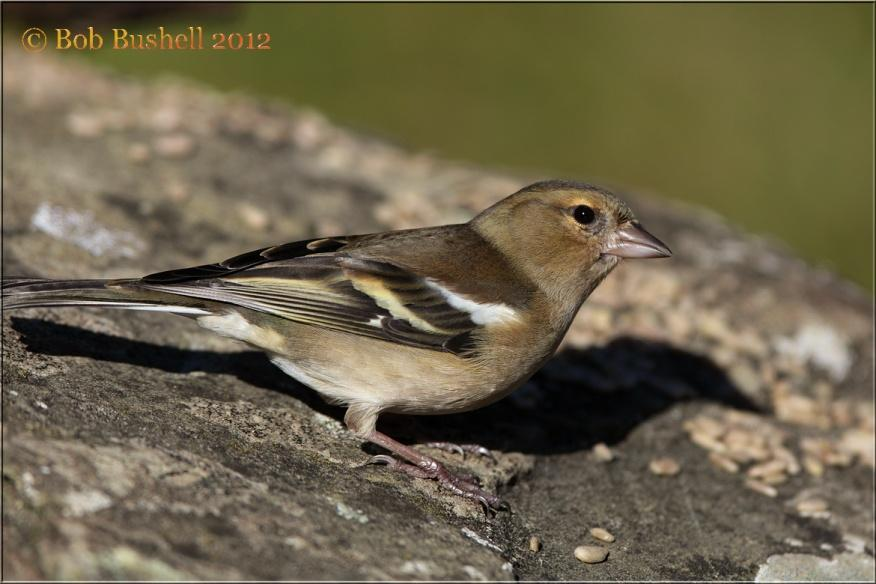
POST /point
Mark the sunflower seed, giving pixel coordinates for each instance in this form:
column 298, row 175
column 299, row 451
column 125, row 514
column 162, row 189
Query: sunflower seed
column 761, row 488
column 767, row 468
column 811, row 506
column 722, row 462
column 602, row 534
column 664, row 467
column 591, row 554
column 603, row 453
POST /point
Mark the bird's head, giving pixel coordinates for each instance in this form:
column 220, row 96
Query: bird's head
column 566, row 233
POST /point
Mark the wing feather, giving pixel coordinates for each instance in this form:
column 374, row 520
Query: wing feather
column 316, row 283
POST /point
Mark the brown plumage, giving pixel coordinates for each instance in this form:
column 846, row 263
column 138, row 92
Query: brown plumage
column 423, row 321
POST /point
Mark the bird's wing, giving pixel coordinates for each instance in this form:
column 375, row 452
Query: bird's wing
column 241, row 262
column 316, row 283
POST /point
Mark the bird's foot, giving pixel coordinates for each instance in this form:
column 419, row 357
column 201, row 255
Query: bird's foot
column 467, row 486
column 462, row 449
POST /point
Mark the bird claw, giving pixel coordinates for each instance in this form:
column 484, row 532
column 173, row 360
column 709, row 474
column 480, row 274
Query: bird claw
column 480, row 451
column 381, row 459
column 462, row 449
column 465, row 486
column 447, row 447
column 471, row 490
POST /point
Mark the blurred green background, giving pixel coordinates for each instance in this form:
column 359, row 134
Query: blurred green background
column 763, row 112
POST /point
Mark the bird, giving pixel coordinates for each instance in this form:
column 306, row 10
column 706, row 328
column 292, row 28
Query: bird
column 426, row 321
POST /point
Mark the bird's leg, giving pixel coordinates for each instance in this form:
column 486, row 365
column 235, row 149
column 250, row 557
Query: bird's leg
column 361, row 419
column 462, row 449
column 422, row 466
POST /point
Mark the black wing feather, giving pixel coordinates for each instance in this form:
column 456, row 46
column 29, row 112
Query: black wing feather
column 241, row 262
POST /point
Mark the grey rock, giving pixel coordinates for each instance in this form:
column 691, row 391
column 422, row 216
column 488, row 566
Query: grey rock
column 807, row 568
column 139, row 446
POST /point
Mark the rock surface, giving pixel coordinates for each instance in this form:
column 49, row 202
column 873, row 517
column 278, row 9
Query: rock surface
column 139, row 446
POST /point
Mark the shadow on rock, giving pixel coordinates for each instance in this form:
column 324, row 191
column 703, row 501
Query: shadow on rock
column 580, row 398
column 252, row 367
column 583, row 397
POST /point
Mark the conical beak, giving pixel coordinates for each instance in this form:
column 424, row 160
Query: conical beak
column 632, row 241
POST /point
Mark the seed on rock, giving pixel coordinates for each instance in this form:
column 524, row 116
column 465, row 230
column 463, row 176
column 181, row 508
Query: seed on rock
column 835, row 458
column 799, row 409
column 664, row 467
column 602, row 534
column 713, row 326
column 741, row 455
column 705, row 425
column 534, row 544
column 591, row 554
column 859, row 442
column 774, row 479
column 814, row 446
column 811, row 506
column 792, row 467
column 746, row 378
column 708, row 442
column 603, row 453
column 762, row 488
column 767, row 468
column 813, row 466
column 741, row 418
column 724, row 463
column 296, row 542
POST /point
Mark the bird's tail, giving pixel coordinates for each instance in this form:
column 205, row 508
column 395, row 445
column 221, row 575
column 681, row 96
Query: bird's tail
column 124, row 294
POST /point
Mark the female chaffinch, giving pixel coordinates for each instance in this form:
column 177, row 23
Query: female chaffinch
column 423, row 321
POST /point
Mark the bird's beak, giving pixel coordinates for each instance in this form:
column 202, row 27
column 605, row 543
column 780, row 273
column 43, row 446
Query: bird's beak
column 632, row 241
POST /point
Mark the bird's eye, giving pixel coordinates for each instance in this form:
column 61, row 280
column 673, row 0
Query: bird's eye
column 584, row 214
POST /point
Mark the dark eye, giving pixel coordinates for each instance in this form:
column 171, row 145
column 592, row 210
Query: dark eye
column 584, row 214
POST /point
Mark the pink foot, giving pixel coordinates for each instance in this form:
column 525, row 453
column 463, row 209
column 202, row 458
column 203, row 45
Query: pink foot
column 462, row 449
column 464, row 487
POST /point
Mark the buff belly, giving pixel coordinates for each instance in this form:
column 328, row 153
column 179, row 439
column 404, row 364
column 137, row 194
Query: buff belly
column 393, row 378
